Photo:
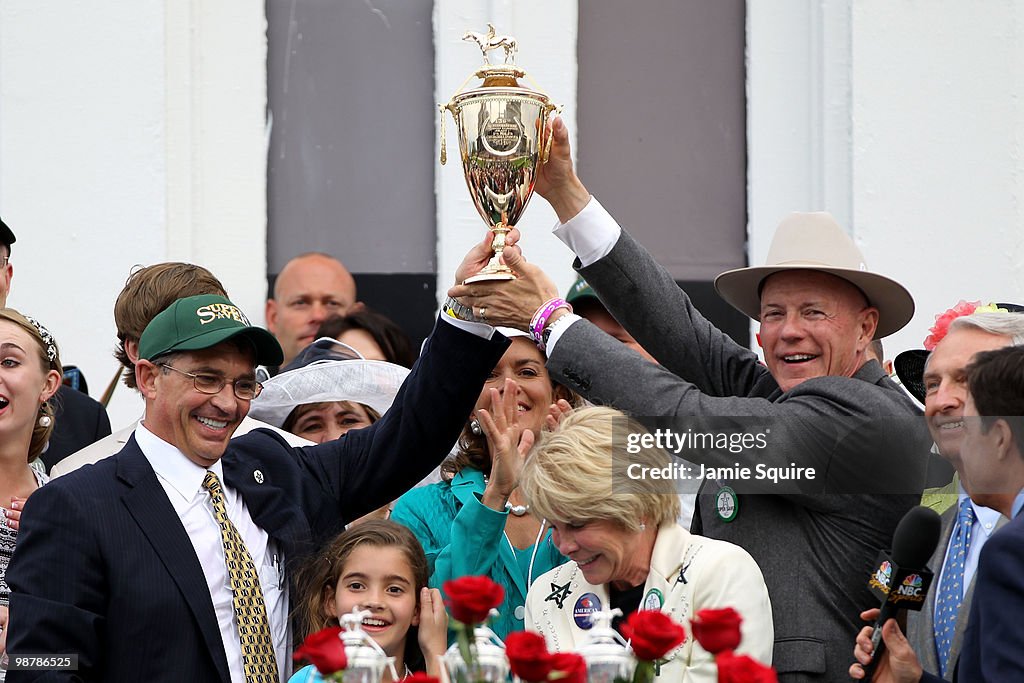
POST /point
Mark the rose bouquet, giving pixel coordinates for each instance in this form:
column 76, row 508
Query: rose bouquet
column 718, row 632
column 652, row 635
column 478, row 655
column 530, row 661
column 324, row 650
column 337, row 651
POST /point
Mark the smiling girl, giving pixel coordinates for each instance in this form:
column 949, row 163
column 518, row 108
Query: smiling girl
column 377, row 566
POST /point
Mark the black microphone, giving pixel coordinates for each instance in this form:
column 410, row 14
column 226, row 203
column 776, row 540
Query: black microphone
column 902, row 577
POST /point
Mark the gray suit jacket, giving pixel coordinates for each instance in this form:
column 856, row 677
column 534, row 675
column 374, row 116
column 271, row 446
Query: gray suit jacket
column 921, row 625
column 817, row 543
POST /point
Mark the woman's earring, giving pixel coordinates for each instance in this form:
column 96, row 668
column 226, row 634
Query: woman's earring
column 45, row 421
column 474, row 426
column 642, row 526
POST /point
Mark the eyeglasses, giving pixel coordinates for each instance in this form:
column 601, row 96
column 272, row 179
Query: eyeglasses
column 245, row 389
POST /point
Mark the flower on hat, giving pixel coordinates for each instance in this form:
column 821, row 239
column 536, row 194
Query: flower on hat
column 943, row 320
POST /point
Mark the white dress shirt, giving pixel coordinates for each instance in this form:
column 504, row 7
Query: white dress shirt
column 182, row 480
column 591, row 234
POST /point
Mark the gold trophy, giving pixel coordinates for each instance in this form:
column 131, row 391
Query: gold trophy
column 501, row 129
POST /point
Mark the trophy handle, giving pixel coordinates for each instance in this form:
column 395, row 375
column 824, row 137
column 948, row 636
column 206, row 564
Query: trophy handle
column 444, row 138
column 551, row 108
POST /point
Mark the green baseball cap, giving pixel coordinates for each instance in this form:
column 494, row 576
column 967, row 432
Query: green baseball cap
column 580, row 290
column 200, row 322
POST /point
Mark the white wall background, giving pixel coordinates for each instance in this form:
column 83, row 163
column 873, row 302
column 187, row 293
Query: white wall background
column 132, row 133
column 547, row 51
column 906, row 120
column 938, row 150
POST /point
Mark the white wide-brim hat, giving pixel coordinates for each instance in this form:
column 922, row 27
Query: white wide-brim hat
column 371, row 382
column 815, row 241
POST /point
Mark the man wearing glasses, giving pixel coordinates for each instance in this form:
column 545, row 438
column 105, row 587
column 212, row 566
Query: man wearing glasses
column 170, row 560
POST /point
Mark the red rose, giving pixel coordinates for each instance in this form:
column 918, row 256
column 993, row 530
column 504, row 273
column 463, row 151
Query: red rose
column 471, row 598
column 742, row 669
column 528, row 656
column 568, row 667
column 717, row 630
column 421, row 677
column 324, row 650
column 652, row 634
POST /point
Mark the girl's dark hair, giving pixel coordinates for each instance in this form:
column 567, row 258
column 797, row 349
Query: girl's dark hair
column 318, row 579
column 394, row 343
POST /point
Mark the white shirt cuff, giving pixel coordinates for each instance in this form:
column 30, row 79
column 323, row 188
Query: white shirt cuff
column 557, row 328
column 590, row 234
column 482, row 330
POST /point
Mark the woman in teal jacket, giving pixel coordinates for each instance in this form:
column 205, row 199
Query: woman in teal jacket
column 474, row 521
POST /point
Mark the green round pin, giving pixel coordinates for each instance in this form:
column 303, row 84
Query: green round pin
column 727, row 504
column 654, row 599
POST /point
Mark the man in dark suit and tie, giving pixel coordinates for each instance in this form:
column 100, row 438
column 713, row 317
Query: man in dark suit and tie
column 936, row 631
column 171, row 560
column 992, row 452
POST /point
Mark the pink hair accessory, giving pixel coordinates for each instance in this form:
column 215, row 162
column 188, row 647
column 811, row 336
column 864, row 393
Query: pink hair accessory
column 943, row 320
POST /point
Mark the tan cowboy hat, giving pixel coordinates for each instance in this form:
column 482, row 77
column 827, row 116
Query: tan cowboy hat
column 815, row 241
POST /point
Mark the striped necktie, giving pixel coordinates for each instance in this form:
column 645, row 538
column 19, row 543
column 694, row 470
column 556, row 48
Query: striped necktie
column 951, row 592
column 258, row 659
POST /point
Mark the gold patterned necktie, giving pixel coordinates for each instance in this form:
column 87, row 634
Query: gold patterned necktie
column 258, row 659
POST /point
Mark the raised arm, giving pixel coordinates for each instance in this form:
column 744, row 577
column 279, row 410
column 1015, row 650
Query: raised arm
column 370, row 467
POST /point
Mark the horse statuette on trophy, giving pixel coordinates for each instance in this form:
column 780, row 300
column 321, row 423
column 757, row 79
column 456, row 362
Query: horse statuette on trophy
column 502, row 129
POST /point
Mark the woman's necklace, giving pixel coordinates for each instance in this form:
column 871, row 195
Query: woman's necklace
column 517, row 510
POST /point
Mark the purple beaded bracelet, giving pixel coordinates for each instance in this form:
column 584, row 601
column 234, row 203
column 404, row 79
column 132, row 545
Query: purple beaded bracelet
column 540, row 318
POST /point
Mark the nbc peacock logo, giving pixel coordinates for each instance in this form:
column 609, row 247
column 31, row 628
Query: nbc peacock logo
column 880, row 579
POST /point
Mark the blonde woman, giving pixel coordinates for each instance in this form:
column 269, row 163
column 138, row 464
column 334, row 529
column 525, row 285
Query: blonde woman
column 625, row 549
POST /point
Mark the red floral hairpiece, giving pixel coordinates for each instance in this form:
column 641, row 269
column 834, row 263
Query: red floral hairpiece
column 944, row 320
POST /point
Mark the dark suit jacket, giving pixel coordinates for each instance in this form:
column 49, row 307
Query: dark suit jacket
column 993, row 649
column 78, row 422
column 817, row 543
column 104, row 568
